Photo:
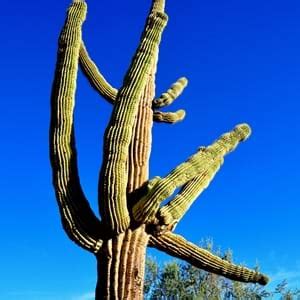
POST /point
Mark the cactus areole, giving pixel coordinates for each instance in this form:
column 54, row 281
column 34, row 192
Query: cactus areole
column 132, row 217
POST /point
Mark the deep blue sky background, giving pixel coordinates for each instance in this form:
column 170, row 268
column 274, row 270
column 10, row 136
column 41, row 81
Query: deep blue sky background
column 243, row 65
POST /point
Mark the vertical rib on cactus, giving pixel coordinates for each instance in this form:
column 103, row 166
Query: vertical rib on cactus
column 139, row 150
column 177, row 246
column 121, row 263
column 113, row 176
column 79, row 221
column 203, row 160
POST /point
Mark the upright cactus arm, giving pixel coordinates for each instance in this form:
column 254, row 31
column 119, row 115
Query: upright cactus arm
column 171, row 94
column 175, row 245
column 174, row 210
column 113, row 175
column 146, row 208
column 94, row 76
column 79, row 221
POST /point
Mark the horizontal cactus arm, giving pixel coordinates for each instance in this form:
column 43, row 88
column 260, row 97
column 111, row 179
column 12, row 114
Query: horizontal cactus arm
column 146, row 208
column 113, row 176
column 79, row 221
column 171, row 94
column 174, row 210
column 94, row 76
column 175, row 245
column 168, row 117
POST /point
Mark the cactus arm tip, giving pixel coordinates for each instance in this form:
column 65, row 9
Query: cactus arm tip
column 263, row 279
column 243, row 130
column 169, row 117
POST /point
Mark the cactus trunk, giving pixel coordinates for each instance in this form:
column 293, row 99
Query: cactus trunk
column 121, row 265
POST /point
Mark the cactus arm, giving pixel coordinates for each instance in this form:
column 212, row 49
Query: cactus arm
column 175, row 209
column 99, row 83
column 168, row 117
column 146, row 208
column 78, row 219
column 168, row 98
column 95, row 77
column 171, row 94
column 113, row 175
column 175, row 245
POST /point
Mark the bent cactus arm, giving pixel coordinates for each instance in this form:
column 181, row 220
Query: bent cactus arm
column 99, row 83
column 79, row 221
column 94, row 76
column 177, row 246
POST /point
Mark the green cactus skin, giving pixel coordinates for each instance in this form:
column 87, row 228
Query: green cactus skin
column 175, row 209
column 204, row 159
column 99, row 83
column 129, row 202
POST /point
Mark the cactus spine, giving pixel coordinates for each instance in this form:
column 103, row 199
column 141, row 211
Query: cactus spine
column 132, row 217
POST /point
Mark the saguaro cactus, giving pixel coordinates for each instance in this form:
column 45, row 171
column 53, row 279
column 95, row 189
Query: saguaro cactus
column 132, row 216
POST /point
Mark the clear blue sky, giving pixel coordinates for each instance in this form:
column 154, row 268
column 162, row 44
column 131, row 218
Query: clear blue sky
column 243, row 65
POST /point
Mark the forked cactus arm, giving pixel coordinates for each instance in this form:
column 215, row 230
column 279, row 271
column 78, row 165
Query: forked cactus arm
column 175, row 209
column 168, row 98
column 99, row 83
column 168, row 117
column 146, row 208
column 95, row 77
column 171, row 94
column 113, row 176
column 78, row 219
column 175, row 245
